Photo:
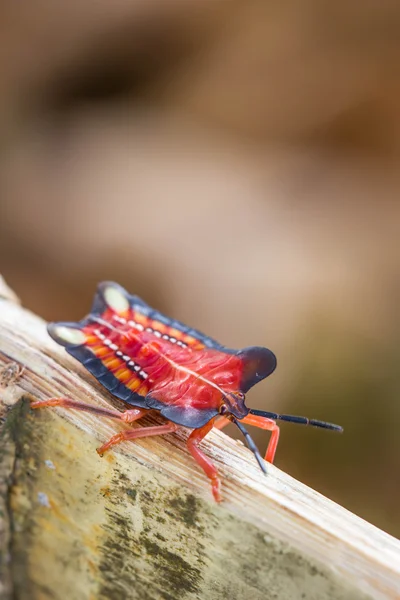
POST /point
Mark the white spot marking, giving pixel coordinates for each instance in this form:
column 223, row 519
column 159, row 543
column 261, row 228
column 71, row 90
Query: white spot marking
column 70, row 335
column 119, row 319
column 136, row 325
column 115, row 299
column 113, row 346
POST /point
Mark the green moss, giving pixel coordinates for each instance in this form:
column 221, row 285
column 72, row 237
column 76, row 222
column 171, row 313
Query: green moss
column 155, row 549
column 177, row 574
column 186, row 509
column 132, row 493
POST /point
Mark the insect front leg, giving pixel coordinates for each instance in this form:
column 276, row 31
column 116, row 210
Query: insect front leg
column 270, row 425
column 221, row 422
column 192, row 443
column 128, row 416
column 262, row 423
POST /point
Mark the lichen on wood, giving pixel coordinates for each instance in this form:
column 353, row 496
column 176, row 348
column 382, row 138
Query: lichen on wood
column 141, row 523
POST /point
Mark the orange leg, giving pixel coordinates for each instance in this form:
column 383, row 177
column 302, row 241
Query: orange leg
column 128, row 416
column 270, row 425
column 262, row 423
column 133, row 434
column 192, row 443
column 221, row 422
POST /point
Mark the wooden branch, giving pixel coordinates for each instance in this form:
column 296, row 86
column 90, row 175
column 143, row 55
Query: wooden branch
column 141, row 523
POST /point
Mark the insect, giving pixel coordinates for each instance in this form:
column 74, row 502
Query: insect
column 152, row 362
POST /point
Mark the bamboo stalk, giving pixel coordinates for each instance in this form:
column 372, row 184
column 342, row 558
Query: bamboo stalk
column 141, row 523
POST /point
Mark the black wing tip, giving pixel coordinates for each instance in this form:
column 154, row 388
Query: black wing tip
column 262, row 351
column 258, row 363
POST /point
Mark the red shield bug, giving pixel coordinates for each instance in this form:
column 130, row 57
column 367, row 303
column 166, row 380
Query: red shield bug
column 151, row 362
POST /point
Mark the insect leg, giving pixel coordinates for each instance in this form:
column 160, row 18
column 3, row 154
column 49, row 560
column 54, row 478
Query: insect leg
column 127, row 416
column 221, row 422
column 262, row 423
column 192, row 443
column 270, row 425
column 132, row 434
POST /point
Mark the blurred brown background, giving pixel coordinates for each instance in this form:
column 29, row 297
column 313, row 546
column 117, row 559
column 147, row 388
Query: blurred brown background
column 236, row 164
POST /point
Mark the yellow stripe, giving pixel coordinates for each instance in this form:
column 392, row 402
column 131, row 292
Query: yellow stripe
column 101, row 351
column 139, row 318
column 123, row 374
column 134, row 384
column 112, row 362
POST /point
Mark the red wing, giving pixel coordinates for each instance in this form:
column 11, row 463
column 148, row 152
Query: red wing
column 151, row 361
column 99, row 342
column 110, row 294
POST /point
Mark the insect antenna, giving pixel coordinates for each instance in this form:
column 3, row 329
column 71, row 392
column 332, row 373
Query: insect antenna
column 295, row 419
column 251, row 445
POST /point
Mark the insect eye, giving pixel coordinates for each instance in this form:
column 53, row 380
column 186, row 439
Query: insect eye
column 223, row 409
